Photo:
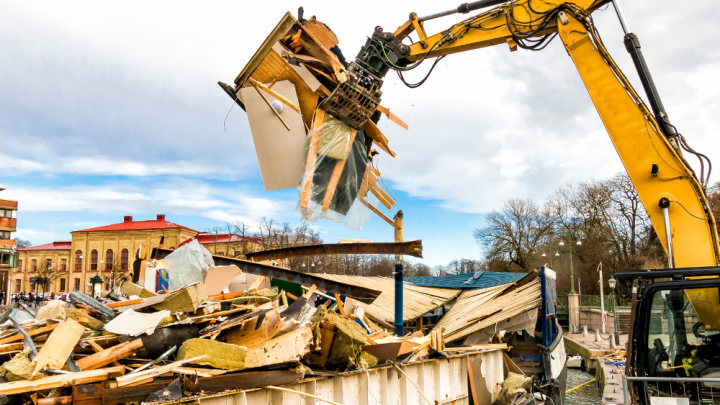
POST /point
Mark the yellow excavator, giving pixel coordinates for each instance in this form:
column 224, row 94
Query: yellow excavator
column 674, row 343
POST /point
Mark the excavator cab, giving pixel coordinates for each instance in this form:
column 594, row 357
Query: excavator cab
column 675, row 344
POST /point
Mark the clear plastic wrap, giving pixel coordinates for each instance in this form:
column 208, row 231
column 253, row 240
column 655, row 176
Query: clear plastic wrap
column 188, row 264
column 335, row 185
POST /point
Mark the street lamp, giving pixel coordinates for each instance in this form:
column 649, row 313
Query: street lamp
column 612, row 283
column 572, row 276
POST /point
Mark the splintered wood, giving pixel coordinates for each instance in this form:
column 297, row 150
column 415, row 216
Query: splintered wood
column 417, row 301
column 58, row 347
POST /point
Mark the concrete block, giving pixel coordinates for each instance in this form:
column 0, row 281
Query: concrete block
column 186, row 299
column 220, row 355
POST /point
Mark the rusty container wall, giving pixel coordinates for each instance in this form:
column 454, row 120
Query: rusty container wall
column 444, row 381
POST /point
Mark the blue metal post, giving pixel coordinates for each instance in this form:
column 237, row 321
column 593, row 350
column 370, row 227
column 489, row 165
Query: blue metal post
column 399, row 299
column 398, row 276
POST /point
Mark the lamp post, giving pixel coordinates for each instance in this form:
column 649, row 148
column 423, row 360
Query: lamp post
column 612, row 283
column 572, row 277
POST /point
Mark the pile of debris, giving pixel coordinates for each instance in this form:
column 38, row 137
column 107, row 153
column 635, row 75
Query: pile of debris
column 196, row 338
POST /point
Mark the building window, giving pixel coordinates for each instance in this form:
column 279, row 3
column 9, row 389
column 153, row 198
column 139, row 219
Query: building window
column 78, row 260
column 124, row 259
column 63, row 264
column 93, row 260
column 62, row 285
column 19, row 268
column 109, row 259
column 4, row 234
column 18, row 285
column 48, row 264
column 33, row 265
column 77, row 284
column 6, row 213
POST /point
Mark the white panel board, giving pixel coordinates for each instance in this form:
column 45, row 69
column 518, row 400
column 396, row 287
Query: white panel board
column 279, row 152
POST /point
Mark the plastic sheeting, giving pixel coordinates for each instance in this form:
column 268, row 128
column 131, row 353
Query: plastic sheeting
column 188, row 264
column 335, row 176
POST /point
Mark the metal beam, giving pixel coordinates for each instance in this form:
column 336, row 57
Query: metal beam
column 359, row 293
column 410, row 248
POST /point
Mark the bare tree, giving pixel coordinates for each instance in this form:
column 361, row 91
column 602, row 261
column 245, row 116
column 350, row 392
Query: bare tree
column 512, row 234
column 47, row 273
column 22, row 243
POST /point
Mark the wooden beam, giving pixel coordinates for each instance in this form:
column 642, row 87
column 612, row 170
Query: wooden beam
column 379, row 213
column 310, row 291
column 59, row 381
column 99, row 349
column 154, row 372
column 311, row 158
column 256, row 283
column 340, row 305
column 278, row 96
column 337, row 172
column 277, row 114
column 59, row 345
column 221, row 297
column 32, row 333
column 286, row 348
column 97, row 360
column 125, row 303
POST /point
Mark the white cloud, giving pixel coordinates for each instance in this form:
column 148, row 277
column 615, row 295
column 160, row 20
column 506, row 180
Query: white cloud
column 38, row 234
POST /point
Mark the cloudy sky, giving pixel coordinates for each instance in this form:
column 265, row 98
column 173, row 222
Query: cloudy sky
column 112, row 109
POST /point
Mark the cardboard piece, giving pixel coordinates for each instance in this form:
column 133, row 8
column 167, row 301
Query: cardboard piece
column 219, row 277
column 279, row 151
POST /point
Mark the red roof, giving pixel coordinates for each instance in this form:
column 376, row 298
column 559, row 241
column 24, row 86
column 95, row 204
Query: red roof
column 62, row 245
column 129, row 225
column 205, row 238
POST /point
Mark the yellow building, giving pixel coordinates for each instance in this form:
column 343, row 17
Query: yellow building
column 113, row 252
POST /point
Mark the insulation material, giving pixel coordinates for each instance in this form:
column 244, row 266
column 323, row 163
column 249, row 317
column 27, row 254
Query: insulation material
column 135, row 323
column 335, row 174
column 188, row 264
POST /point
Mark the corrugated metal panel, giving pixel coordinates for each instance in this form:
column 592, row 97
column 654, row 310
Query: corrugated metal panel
column 417, row 300
column 466, row 280
column 444, row 381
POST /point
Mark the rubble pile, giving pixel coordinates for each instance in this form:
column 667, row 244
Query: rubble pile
column 140, row 345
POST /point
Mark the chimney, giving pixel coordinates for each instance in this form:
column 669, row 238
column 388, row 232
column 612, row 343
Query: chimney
column 160, row 217
column 128, row 218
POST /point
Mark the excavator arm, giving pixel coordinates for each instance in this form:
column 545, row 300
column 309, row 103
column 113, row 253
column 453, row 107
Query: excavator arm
column 648, row 145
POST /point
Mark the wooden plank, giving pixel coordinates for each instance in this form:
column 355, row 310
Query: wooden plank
column 58, row 347
column 278, row 32
column 125, row 303
column 340, row 305
column 379, row 213
column 289, row 347
column 33, row 333
column 97, row 360
column 221, row 297
column 277, row 114
column 310, row 291
column 154, row 372
column 311, row 158
column 59, row 381
column 256, row 283
column 321, row 32
column 278, row 96
column 99, row 349
column 380, row 140
column 251, row 336
column 337, row 172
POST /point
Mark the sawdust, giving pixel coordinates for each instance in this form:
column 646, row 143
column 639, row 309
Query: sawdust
column 19, row 368
column 513, row 383
column 54, row 309
column 221, row 355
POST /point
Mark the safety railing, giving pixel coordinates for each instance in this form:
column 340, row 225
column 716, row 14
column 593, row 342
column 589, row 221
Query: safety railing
column 701, row 391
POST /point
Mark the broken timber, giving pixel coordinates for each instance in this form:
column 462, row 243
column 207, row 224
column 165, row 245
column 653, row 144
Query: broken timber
column 359, row 293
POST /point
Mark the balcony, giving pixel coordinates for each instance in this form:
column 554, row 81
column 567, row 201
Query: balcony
column 8, row 224
column 8, row 205
column 6, row 243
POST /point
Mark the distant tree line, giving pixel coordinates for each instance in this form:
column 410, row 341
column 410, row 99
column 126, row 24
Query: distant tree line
column 606, row 216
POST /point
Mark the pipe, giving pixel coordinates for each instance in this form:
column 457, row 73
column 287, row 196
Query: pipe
column 621, row 16
column 461, row 9
column 665, row 205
